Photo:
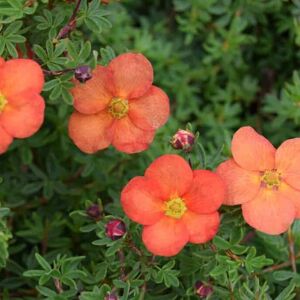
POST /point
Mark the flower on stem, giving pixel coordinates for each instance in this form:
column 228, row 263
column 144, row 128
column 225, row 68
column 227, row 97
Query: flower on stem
column 118, row 106
column 183, row 140
column 115, row 229
column 175, row 204
column 265, row 181
column 21, row 106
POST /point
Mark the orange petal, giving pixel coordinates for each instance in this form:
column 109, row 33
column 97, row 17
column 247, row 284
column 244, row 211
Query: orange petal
column 206, row 194
column 140, row 203
column 130, row 139
column 252, row 151
column 133, row 75
column 151, row 111
column 172, row 174
column 288, row 162
column 23, row 115
column 5, row 140
column 94, row 95
column 2, row 61
column 241, row 185
column 166, row 237
column 292, row 195
column 90, row 133
column 201, row 228
column 19, row 75
column 270, row 212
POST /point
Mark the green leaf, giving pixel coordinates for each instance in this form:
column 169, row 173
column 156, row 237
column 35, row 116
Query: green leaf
column 283, row 275
column 43, row 263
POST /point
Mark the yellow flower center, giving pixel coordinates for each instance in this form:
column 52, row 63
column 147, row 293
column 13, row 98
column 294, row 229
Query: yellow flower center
column 175, row 208
column 3, row 102
column 271, row 179
column 118, row 108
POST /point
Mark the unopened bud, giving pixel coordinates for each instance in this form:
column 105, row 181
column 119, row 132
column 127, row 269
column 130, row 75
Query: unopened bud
column 203, row 289
column 111, row 296
column 83, row 73
column 94, row 211
column 184, row 140
column 115, row 229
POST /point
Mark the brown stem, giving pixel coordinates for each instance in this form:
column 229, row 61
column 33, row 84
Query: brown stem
column 133, row 247
column 292, row 250
column 71, row 25
column 122, row 261
column 279, row 266
column 58, row 286
column 57, row 73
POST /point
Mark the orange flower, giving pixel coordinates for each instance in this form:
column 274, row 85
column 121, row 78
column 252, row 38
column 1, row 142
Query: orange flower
column 21, row 106
column 264, row 180
column 118, row 106
column 176, row 204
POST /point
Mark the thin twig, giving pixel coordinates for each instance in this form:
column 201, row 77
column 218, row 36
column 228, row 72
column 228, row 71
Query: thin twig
column 122, row 262
column 58, row 286
column 292, row 250
column 71, row 25
column 57, row 73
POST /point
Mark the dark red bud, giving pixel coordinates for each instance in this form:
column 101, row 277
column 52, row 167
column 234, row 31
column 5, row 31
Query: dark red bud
column 115, row 229
column 203, row 289
column 183, row 140
column 83, row 73
column 111, row 296
column 94, row 211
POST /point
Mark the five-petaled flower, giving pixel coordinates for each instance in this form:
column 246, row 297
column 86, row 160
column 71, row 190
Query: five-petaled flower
column 21, row 106
column 175, row 204
column 264, row 180
column 118, row 106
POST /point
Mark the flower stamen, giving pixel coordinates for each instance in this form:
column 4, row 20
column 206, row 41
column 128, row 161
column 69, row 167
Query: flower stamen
column 175, row 208
column 3, row 102
column 118, row 108
column 271, row 179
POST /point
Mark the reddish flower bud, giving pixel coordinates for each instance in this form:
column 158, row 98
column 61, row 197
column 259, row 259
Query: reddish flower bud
column 203, row 289
column 83, row 73
column 183, row 139
column 111, row 296
column 94, row 211
column 115, row 229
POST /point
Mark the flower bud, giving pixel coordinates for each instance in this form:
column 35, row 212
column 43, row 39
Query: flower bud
column 94, row 211
column 203, row 289
column 183, row 139
column 83, row 73
column 111, row 296
column 115, row 229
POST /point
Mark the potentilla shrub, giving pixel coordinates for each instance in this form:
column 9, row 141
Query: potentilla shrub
column 149, row 149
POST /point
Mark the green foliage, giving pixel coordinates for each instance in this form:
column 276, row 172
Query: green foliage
column 223, row 64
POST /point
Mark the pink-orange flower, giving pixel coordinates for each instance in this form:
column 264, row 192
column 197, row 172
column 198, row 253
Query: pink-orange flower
column 264, row 180
column 175, row 204
column 21, row 106
column 118, row 106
